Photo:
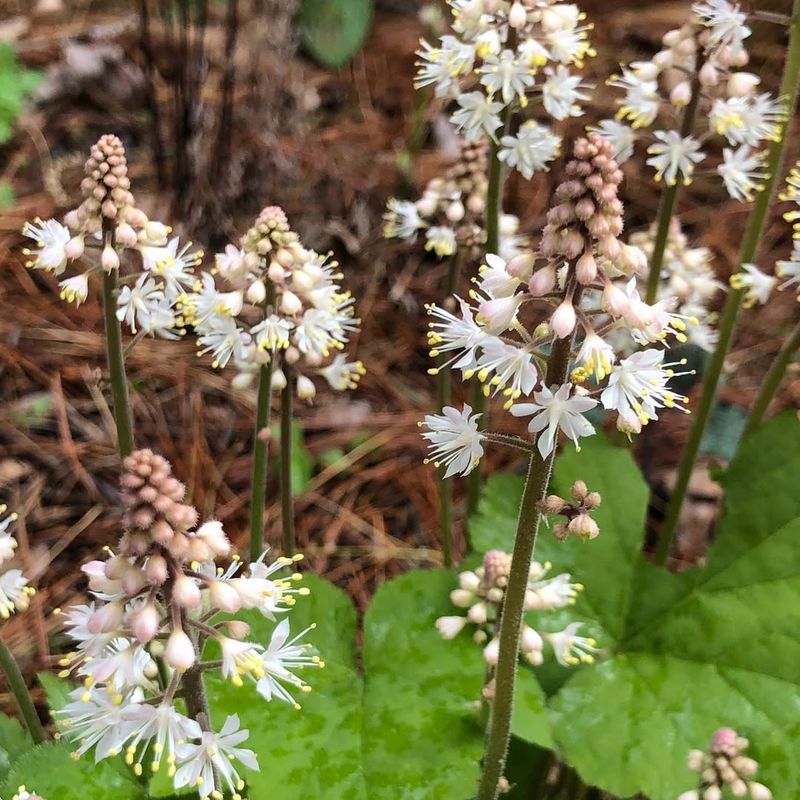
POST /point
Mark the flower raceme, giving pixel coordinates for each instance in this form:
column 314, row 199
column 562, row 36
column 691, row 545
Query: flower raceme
column 159, row 596
column 270, row 299
column 15, row 593
column 582, row 293
column 108, row 233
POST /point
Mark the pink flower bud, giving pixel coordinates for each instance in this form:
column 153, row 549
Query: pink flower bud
column 214, row 536
column 634, row 259
column 237, row 629
column 74, row 247
column 517, row 15
column 542, row 281
column 521, row 265
column 610, row 247
column 491, row 652
column 563, row 320
column 681, row 94
column 478, row 613
column 499, row 313
column 256, row 293
column 146, row 623
column 760, row 792
column 450, row 627
column 708, row 75
column 180, row 651
column 224, row 597
column 109, row 259
column 615, row 300
column 185, row 592
column 741, row 84
column 586, row 269
column 133, row 581
column 127, row 235
column 305, row 388
column 114, row 568
column 276, row 273
column 584, row 527
column 156, row 569
column 530, row 640
column 455, row 211
column 106, row 619
column 572, row 244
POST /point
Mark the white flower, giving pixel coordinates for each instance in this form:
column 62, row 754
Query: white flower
column 240, row 658
column 742, row 170
column 621, row 136
column 756, row 286
column 231, row 263
column 51, row 239
column 748, row 120
column 199, row 764
column 569, row 44
column 531, row 150
column 15, row 594
column 401, row 219
column 495, row 279
column 639, row 384
column 441, row 239
column 279, row 658
column 726, row 22
column 272, row 333
column 596, row 355
column 158, row 729
column 458, row 335
column 145, row 306
column 450, row 627
column 76, row 289
column 342, row 374
column 561, row 93
column 505, row 75
column 8, row 544
column 674, row 156
column 570, row 649
column 477, row 116
column 455, row 441
column 497, row 314
column 554, row 411
column 512, row 368
column 258, row 590
column 790, row 268
column 442, row 65
column 209, row 304
column 556, row 592
column 122, row 664
column 176, row 268
column 641, row 102
column 223, row 338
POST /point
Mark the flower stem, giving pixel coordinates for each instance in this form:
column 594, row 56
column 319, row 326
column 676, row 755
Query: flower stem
column 773, row 380
column 258, row 481
column 670, row 197
column 16, row 683
column 478, row 398
column 730, row 311
column 287, row 502
column 116, row 366
column 530, row 516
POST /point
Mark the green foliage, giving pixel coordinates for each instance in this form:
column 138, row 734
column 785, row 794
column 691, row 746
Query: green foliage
column 332, row 31
column 16, row 83
column 14, row 741
column 57, row 690
column 684, row 653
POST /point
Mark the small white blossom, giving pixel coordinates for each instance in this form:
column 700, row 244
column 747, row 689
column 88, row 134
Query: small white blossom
column 51, row 239
column 726, row 24
column 441, row 239
column 570, row 649
column 561, row 93
column 621, row 136
column 512, row 369
column 641, row 102
column 455, row 441
column 673, row 157
column 280, row 657
column 757, row 286
column 477, row 116
column 506, row 76
column 531, row 150
column 401, row 219
column 742, row 171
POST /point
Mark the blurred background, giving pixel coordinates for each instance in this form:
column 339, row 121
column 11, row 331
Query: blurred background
column 226, row 106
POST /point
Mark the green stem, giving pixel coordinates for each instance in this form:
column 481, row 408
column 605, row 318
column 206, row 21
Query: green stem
column 493, row 210
column 670, row 196
column 530, row 515
column 287, row 502
column 258, row 481
column 730, row 311
column 773, row 381
column 116, row 366
column 16, row 683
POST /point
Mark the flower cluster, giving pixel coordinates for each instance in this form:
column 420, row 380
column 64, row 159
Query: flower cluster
column 583, row 291
column 699, row 65
column 15, row 594
column 281, row 305
column 687, row 276
column 725, row 766
column 99, row 236
column 451, row 210
column 503, row 57
column 578, row 514
column 758, row 286
column 482, row 593
column 156, row 602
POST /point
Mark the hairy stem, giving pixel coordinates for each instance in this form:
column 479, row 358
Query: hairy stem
column 116, row 366
column 670, row 196
column 16, row 683
column 773, row 380
column 727, row 325
column 258, row 481
column 287, row 502
column 530, row 516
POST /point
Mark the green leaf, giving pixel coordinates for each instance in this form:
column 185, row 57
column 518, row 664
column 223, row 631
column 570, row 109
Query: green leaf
column 689, row 652
column 332, row 31
column 14, row 741
column 57, row 690
column 302, row 460
column 50, row 770
column 16, row 83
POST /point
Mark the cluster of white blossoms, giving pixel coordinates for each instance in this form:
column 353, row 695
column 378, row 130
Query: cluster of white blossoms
column 705, row 56
column 140, row 641
column 757, row 285
column 280, row 303
column 482, row 592
column 106, row 233
column 451, row 210
column 503, row 57
column 582, row 290
column 723, row 767
column 688, row 277
column 15, row 594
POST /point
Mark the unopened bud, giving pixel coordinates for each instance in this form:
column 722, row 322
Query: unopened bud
column 180, row 651
column 579, row 490
column 109, row 259
column 563, row 320
column 584, row 527
column 552, row 504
